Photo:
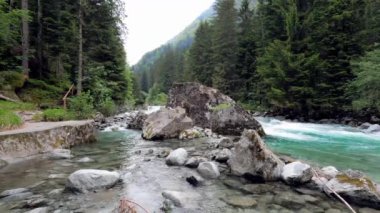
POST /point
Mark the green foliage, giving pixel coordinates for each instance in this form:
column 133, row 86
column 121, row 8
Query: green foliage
column 10, row 80
column 82, row 106
column 107, row 107
column 156, row 97
column 56, row 115
column 21, row 106
column 9, row 119
column 365, row 89
column 221, row 107
column 40, row 92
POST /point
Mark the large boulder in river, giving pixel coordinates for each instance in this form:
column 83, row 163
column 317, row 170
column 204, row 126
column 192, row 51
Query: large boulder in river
column 85, row 180
column 137, row 121
column 209, row 108
column 251, row 158
column 355, row 188
column 166, row 123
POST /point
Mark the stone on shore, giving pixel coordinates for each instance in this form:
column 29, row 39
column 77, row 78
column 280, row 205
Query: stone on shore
column 166, row 123
column 177, row 157
column 296, row 173
column 329, row 172
column 209, row 108
column 251, row 157
column 193, row 162
column 137, row 121
column 85, row 180
column 190, row 134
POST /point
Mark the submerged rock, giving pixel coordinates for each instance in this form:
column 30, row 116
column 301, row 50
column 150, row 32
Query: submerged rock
column 296, row 173
column 240, row 201
column 195, row 180
column 166, row 123
column 177, row 157
column 60, row 154
column 10, row 192
column 3, row 164
column 39, row 210
column 356, row 189
column 209, row 108
column 85, row 180
column 179, row 199
column 220, row 155
column 208, row 170
column 225, row 143
column 251, row 157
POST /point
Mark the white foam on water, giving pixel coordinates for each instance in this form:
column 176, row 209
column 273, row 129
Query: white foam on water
column 152, row 109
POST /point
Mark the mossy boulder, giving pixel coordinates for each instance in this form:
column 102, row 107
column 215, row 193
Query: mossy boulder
column 355, row 188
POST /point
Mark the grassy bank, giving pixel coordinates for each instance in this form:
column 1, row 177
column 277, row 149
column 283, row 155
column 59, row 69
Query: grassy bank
column 9, row 119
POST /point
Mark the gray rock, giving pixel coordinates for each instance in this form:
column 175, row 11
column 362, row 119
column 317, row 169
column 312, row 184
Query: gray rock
column 7, row 193
column 193, row 162
column 39, row 210
column 333, row 211
column 289, row 200
column 179, row 199
column 220, row 155
column 195, row 180
column 35, row 203
column 166, row 123
column 373, row 128
column 251, row 156
column 16, row 197
column 208, row 170
column 85, row 180
column 55, row 192
column 3, row 163
column 257, row 188
column 365, row 125
column 358, row 189
column 240, row 201
column 317, row 183
column 225, row 143
column 60, row 154
column 177, row 157
column 138, row 120
column 85, row 160
column 209, row 108
column 329, row 172
column 296, row 173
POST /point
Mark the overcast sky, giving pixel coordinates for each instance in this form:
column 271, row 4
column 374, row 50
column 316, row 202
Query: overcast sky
column 152, row 23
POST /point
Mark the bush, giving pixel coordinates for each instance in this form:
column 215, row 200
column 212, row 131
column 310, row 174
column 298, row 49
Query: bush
column 57, row 115
column 107, row 107
column 9, row 119
column 82, row 106
column 11, row 80
column 40, row 92
column 7, row 105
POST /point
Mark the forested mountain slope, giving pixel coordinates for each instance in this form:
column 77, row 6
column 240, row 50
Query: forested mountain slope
column 312, row 59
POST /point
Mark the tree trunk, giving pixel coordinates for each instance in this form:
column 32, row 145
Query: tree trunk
column 25, row 40
column 80, row 53
column 39, row 38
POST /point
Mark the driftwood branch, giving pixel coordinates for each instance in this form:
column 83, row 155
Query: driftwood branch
column 8, row 99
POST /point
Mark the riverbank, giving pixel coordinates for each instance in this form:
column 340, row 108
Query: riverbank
column 36, row 138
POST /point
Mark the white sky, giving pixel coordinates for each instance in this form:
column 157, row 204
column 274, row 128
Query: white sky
column 152, row 23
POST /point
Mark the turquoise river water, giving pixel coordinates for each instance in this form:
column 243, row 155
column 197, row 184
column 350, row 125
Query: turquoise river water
column 323, row 144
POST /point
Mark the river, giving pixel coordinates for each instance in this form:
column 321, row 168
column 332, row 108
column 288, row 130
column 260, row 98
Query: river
column 145, row 175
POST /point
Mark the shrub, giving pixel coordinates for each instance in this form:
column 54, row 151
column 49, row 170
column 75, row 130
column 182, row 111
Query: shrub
column 57, row 115
column 9, row 119
column 7, row 105
column 82, row 106
column 107, row 107
column 11, row 80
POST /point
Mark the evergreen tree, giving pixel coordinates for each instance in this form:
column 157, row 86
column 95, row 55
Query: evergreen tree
column 225, row 47
column 201, row 55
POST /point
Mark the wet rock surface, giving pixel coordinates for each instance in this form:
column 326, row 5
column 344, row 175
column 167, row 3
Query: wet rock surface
column 166, row 124
column 251, row 157
column 209, row 108
column 177, row 157
column 296, row 173
column 90, row 179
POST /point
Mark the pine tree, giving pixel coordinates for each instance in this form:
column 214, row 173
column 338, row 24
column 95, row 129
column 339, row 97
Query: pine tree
column 201, row 55
column 225, row 46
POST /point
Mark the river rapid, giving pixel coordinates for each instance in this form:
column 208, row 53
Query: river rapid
column 145, row 174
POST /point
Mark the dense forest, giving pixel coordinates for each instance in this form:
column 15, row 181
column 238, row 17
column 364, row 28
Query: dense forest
column 317, row 59
column 47, row 46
